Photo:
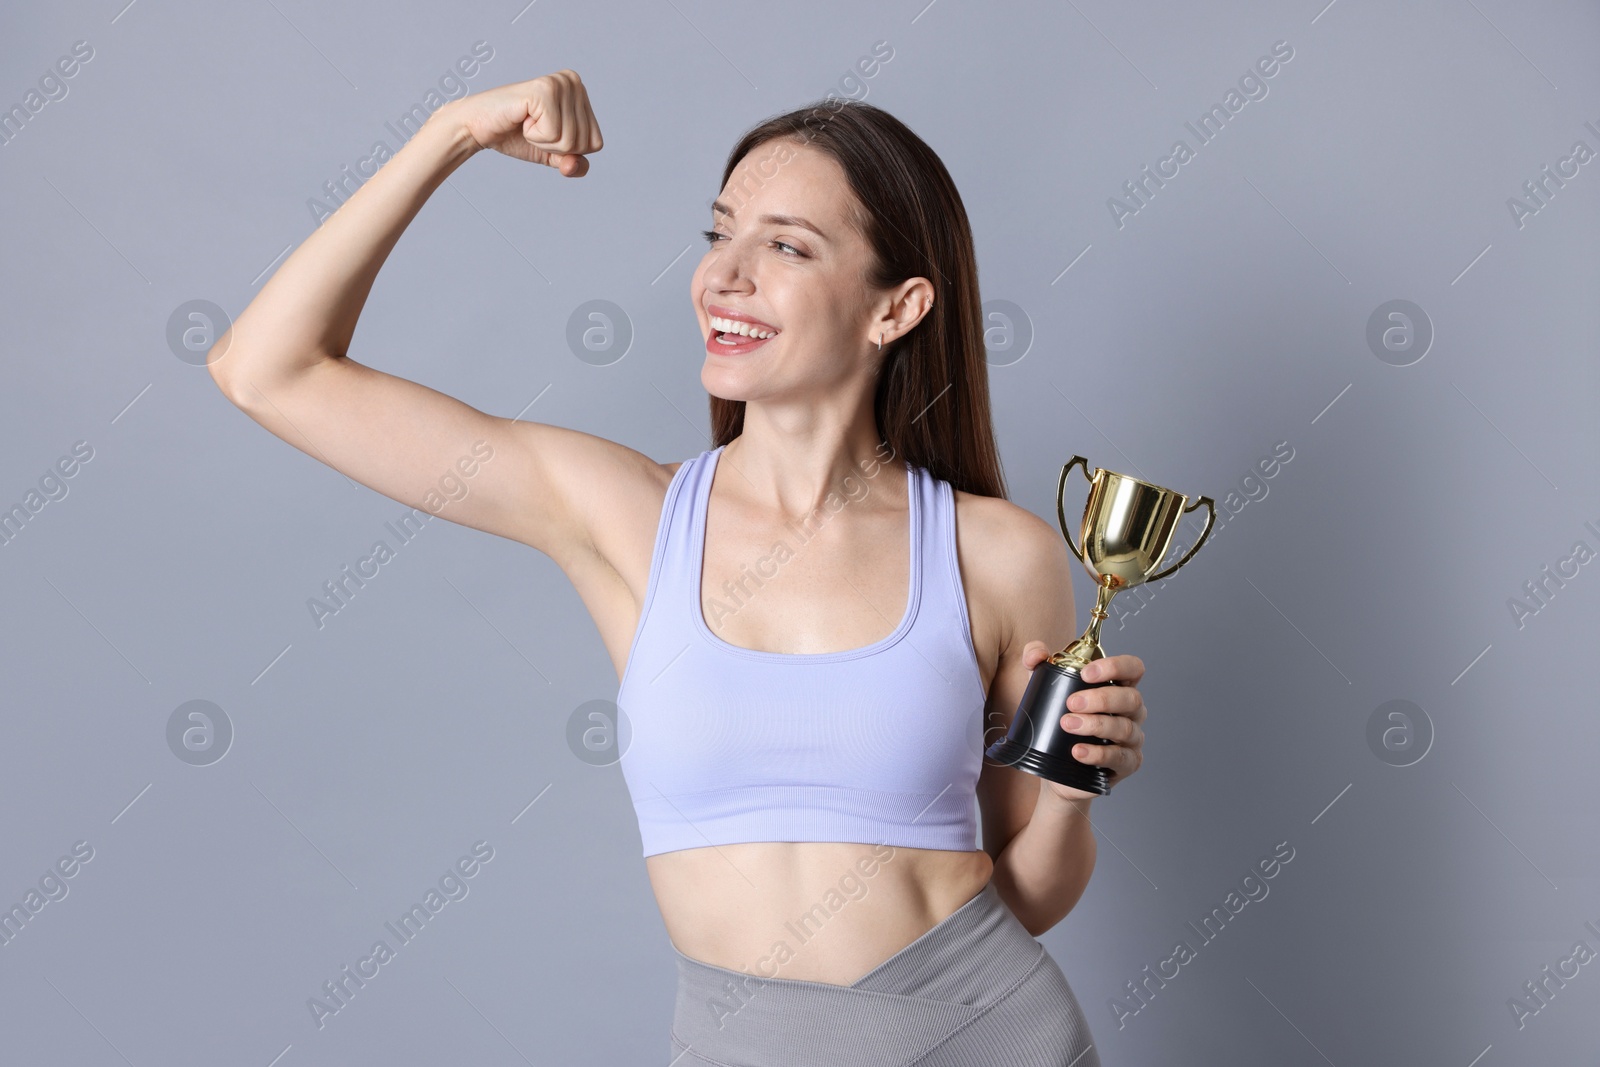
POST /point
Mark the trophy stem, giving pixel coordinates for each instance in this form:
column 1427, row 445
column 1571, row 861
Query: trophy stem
column 1086, row 649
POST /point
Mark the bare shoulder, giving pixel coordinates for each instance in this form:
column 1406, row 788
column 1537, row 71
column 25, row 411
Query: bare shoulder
column 1013, row 565
column 1006, row 543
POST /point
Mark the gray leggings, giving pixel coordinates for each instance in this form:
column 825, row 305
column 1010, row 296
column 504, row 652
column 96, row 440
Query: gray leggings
column 975, row 989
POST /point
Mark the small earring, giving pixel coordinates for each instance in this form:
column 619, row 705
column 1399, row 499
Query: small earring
column 880, row 342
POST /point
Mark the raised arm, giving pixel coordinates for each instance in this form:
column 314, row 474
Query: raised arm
column 284, row 360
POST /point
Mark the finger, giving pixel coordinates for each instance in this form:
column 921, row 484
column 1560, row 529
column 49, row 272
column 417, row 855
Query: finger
column 1124, row 670
column 1114, row 758
column 539, row 123
column 1108, row 700
column 1094, row 755
column 593, row 142
column 585, row 131
column 1114, row 728
column 547, row 132
column 569, row 114
column 574, row 166
column 1034, row 653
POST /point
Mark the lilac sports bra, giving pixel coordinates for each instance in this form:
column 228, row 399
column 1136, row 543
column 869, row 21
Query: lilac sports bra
column 880, row 744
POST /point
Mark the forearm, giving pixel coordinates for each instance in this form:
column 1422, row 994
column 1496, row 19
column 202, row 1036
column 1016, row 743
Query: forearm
column 308, row 309
column 1044, row 869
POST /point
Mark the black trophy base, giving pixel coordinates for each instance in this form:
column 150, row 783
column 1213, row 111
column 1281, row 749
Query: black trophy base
column 1036, row 743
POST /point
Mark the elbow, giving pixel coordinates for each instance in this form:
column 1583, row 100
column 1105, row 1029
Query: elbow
column 248, row 379
column 233, row 373
column 218, row 366
column 1039, row 925
column 1031, row 920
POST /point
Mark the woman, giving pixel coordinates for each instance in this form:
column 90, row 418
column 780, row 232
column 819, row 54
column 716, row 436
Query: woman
column 806, row 769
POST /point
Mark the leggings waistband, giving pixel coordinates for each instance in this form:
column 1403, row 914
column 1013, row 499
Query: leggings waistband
column 948, row 977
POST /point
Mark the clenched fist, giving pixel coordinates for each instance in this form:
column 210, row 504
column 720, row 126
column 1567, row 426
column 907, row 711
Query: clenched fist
column 547, row 120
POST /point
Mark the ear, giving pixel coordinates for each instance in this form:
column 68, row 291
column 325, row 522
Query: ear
column 903, row 307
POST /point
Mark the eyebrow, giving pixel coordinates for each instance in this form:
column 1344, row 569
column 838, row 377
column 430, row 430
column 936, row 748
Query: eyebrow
column 776, row 220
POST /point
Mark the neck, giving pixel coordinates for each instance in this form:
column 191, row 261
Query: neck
column 795, row 465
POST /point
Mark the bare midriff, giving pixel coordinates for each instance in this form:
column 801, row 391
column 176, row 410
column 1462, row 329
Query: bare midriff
column 816, row 911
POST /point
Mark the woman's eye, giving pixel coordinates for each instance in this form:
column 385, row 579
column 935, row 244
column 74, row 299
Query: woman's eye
column 712, row 237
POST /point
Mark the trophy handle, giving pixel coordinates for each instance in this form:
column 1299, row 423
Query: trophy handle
column 1061, row 515
column 1211, row 517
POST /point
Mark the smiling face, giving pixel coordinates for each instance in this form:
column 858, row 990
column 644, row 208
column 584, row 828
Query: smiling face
column 768, row 262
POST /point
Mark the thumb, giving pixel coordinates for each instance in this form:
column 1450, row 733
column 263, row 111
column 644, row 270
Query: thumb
column 571, row 165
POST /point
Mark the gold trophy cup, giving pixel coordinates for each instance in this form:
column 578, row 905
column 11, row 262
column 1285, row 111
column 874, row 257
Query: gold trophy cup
column 1127, row 528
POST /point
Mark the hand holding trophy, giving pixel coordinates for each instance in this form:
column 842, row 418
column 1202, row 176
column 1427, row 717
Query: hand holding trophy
column 1126, row 531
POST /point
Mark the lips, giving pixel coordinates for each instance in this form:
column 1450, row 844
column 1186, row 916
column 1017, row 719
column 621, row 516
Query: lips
column 716, row 347
column 714, row 340
column 721, row 312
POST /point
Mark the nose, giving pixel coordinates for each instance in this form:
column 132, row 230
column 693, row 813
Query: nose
column 726, row 267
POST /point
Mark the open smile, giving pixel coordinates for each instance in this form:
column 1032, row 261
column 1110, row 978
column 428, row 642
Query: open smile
column 735, row 334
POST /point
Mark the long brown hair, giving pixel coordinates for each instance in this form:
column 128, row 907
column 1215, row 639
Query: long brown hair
column 932, row 399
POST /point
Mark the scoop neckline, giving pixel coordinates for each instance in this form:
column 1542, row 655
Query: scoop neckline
column 698, row 554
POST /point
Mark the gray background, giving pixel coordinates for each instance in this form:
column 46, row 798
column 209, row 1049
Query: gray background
column 1229, row 314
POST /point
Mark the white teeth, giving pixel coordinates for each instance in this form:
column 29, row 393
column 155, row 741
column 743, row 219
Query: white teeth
column 744, row 328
